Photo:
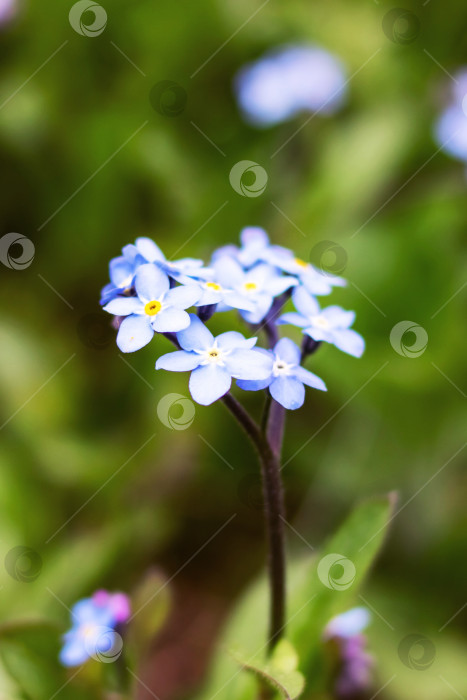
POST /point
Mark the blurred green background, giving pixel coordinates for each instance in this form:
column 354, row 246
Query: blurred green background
column 90, row 478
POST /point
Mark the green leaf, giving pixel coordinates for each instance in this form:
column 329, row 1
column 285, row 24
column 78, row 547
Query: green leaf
column 310, row 603
column 280, row 671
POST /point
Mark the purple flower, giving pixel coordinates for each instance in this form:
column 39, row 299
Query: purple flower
column 287, row 378
column 288, row 81
column 214, row 361
column 155, row 308
column 331, row 325
column 93, row 627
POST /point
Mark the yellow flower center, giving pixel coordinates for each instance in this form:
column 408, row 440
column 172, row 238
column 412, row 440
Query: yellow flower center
column 213, row 353
column 152, row 308
column 213, row 285
column 300, row 262
column 250, row 286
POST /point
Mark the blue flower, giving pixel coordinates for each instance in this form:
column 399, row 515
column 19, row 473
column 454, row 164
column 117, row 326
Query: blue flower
column 155, row 308
column 183, row 270
column 122, row 272
column 348, row 624
column 287, row 378
column 93, row 622
column 290, row 80
column 312, row 279
column 258, row 286
column 255, row 247
column 331, row 325
column 214, row 361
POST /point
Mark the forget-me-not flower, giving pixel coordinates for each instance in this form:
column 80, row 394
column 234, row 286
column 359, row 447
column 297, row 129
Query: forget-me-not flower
column 214, row 361
column 313, row 280
column 331, row 325
column 122, row 271
column 287, row 378
column 182, row 270
column 257, row 286
column 290, row 80
column 155, row 308
column 93, row 623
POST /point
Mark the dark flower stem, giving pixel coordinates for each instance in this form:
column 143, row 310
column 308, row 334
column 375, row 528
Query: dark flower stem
column 273, row 492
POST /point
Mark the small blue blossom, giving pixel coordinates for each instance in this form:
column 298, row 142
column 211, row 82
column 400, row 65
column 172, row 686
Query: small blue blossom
column 257, row 286
column 122, row 271
column 348, row 624
column 312, row 279
column 354, row 668
column 255, row 247
column 183, row 270
column 331, row 325
column 287, row 378
column 288, row 81
column 155, row 308
column 214, row 361
column 93, row 623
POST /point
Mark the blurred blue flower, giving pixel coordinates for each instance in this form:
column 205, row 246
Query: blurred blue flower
column 354, row 674
column 257, row 286
column 214, row 361
column 288, row 81
column 155, row 308
column 122, row 272
column 287, row 378
column 8, row 9
column 331, row 325
column 451, row 127
column 93, row 622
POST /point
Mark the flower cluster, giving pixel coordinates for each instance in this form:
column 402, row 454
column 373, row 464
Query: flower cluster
column 290, row 80
column 354, row 674
column 93, row 627
column 149, row 294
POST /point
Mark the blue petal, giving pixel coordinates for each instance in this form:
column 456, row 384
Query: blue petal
column 337, row 317
column 74, row 652
column 251, row 385
column 288, row 391
column 134, row 333
column 121, row 272
column 254, row 235
column 310, row 379
column 237, row 301
column 196, row 336
column 262, row 304
column 349, row 341
column 178, row 361
column 124, row 306
column 170, row 320
column 149, row 250
column 293, row 318
column 228, row 272
column 183, row 297
column 288, row 351
column 278, row 285
column 209, row 383
column 304, row 302
column 249, row 364
column 151, row 283
column 348, row 624
column 233, row 339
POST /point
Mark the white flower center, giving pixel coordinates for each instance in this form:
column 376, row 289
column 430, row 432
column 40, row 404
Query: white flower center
column 320, row 322
column 281, row 368
column 213, row 355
